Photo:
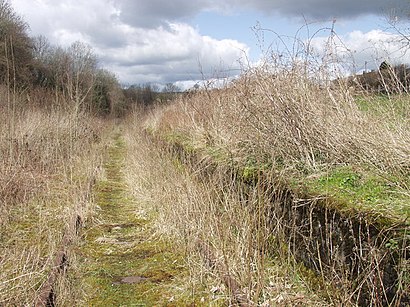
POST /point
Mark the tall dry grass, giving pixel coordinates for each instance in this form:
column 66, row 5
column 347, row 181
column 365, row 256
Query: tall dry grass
column 293, row 126
column 221, row 225
column 292, row 121
column 50, row 157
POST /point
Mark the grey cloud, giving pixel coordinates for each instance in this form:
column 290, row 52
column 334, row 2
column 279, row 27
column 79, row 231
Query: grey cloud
column 106, row 38
column 152, row 13
column 324, row 9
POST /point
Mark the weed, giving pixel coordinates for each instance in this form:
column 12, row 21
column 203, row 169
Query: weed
column 123, row 261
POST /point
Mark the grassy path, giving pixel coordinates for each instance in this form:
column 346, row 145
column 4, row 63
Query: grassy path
column 123, row 261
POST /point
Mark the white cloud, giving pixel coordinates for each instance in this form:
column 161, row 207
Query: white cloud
column 365, row 50
column 163, row 55
column 49, row 17
column 167, row 51
column 151, row 40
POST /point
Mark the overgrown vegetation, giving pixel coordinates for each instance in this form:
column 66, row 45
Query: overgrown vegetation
column 56, row 110
column 50, row 148
column 283, row 188
column 50, row 159
column 295, row 126
column 331, row 149
column 204, row 212
column 123, row 259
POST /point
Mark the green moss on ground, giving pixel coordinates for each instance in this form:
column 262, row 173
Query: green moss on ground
column 351, row 190
column 123, row 261
column 361, row 190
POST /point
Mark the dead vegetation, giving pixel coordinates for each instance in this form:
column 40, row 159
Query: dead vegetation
column 258, row 182
column 279, row 123
column 225, row 241
column 49, row 161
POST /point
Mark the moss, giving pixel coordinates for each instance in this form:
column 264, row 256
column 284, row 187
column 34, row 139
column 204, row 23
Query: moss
column 176, row 138
column 317, row 283
column 253, row 169
column 350, row 190
column 361, row 190
column 122, row 244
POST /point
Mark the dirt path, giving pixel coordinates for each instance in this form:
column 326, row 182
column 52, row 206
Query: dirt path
column 123, row 261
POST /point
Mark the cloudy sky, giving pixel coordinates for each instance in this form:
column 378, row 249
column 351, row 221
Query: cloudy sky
column 183, row 41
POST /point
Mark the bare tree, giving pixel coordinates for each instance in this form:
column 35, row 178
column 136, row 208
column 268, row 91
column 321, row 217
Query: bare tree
column 171, row 88
column 398, row 22
column 81, row 73
column 15, row 46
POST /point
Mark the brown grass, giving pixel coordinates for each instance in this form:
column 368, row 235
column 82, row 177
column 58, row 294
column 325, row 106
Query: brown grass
column 290, row 126
column 49, row 160
column 293, row 121
column 224, row 238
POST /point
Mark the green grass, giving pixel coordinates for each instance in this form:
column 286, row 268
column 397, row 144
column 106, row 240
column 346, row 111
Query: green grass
column 123, row 243
column 380, row 104
column 361, row 190
column 352, row 189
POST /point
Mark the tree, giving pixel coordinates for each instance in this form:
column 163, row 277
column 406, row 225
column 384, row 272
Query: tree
column 70, row 71
column 385, row 66
column 108, row 97
column 398, row 21
column 80, row 74
column 171, row 88
column 145, row 94
column 15, row 47
column 41, row 69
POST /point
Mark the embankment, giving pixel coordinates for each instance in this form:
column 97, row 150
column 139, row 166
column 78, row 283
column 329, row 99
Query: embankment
column 354, row 252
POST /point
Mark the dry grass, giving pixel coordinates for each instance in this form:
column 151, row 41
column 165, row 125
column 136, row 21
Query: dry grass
column 293, row 120
column 300, row 127
column 224, row 237
column 49, row 159
column 293, row 128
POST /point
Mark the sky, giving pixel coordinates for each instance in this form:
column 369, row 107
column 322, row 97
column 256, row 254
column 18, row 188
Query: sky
column 182, row 41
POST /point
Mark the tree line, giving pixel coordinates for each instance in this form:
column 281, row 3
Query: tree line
column 33, row 62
